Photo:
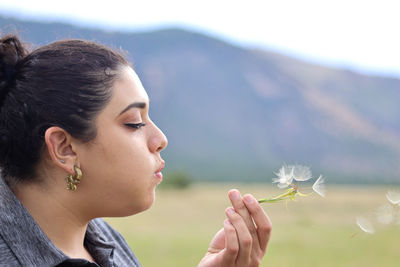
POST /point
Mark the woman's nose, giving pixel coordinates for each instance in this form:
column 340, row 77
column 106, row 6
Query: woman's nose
column 163, row 143
column 158, row 140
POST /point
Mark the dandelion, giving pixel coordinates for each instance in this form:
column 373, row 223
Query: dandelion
column 393, row 197
column 319, row 186
column 301, row 173
column 365, row 225
column 385, row 214
column 285, row 176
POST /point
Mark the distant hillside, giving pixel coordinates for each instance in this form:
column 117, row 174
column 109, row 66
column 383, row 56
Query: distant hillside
column 237, row 114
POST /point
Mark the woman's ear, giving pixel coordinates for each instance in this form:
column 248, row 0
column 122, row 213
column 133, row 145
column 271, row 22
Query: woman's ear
column 60, row 148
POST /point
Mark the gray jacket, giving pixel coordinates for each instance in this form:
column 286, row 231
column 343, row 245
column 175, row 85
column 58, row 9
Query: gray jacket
column 23, row 243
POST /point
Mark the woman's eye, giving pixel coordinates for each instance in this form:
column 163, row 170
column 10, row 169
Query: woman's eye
column 135, row 125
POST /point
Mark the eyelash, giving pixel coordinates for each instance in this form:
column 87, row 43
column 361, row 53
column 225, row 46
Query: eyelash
column 135, row 125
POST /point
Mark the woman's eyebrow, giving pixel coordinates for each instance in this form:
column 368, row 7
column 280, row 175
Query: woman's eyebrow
column 140, row 105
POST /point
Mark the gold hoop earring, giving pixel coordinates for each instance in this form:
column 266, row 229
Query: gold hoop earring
column 74, row 179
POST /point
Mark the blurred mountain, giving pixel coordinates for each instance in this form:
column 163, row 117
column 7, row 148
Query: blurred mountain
column 236, row 113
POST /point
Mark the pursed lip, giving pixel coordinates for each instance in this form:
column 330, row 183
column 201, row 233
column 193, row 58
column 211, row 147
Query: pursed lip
column 161, row 167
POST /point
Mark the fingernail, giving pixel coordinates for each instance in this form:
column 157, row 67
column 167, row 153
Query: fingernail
column 230, row 211
column 248, row 199
column 235, row 195
column 227, row 222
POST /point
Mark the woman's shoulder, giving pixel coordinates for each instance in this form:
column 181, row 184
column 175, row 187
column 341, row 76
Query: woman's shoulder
column 7, row 257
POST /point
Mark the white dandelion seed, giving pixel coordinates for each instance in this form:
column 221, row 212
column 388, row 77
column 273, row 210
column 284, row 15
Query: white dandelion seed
column 385, row 213
column 319, row 186
column 301, row 173
column 285, row 176
column 365, row 225
column 393, row 197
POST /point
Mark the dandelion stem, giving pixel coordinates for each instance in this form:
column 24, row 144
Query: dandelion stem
column 290, row 193
column 269, row 200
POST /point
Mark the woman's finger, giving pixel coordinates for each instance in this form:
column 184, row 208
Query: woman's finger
column 241, row 208
column 231, row 243
column 261, row 220
column 244, row 237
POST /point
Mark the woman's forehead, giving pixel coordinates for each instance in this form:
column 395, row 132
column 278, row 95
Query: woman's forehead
column 128, row 88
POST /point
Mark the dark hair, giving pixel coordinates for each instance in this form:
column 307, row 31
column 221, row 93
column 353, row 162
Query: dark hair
column 66, row 84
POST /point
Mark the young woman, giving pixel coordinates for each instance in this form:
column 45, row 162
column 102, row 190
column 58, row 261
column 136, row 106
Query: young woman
column 77, row 144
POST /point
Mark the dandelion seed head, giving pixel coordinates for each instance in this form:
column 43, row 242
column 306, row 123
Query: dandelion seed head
column 301, row 173
column 385, row 213
column 285, row 176
column 319, row 186
column 393, row 197
column 365, row 225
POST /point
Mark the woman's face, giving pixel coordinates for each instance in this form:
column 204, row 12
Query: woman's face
column 122, row 165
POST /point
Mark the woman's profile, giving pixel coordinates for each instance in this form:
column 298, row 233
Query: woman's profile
column 77, row 144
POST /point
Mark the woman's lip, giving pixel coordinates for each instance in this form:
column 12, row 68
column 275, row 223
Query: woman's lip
column 161, row 167
column 159, row 175
column 158, row 172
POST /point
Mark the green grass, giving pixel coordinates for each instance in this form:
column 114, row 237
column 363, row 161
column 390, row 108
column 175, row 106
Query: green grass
column 313, row 231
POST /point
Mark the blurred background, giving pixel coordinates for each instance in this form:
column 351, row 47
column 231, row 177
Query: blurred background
column 241, row 87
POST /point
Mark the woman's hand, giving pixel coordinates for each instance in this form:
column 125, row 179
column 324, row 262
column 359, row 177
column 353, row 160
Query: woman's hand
column 243, row 239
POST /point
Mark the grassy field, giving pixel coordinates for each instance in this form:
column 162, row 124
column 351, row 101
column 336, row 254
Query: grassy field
column 313, row 231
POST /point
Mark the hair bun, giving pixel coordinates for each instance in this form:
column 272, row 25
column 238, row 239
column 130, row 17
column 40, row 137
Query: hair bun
column 11, row 51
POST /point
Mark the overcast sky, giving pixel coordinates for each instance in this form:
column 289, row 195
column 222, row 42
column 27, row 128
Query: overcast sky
column 361, row 35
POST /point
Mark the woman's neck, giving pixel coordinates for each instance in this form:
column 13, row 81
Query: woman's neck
column 58, row 218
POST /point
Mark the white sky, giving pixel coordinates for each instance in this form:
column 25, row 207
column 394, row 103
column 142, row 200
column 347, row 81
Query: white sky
column 361, row 35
